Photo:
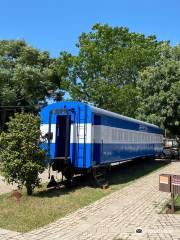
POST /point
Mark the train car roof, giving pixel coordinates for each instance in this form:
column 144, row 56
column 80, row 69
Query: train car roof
column 116, row 115
column 101, row 112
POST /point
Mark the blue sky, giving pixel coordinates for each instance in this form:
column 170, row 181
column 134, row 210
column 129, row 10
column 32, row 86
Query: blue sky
column 55, row 25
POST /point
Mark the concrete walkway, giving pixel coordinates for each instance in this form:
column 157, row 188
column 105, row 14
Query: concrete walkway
column 116, row 216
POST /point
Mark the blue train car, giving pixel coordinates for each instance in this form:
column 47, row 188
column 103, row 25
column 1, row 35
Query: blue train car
column 81, row 136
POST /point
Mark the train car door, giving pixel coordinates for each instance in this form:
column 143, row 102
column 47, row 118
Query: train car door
column 62, row 145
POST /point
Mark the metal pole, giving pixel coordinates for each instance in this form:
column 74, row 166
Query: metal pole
column 49, row 143
column 172, row 203
column 67, row 137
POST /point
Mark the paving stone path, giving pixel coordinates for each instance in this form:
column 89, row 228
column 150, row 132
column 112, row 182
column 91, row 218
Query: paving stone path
column 116, row 216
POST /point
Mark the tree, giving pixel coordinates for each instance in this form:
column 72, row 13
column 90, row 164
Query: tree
column 27, row 77
column 107, row 66
column 159, row 94
column 21, row 157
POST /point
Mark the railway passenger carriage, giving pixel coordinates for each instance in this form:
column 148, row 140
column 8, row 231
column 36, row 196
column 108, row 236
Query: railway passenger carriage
column 81, row 136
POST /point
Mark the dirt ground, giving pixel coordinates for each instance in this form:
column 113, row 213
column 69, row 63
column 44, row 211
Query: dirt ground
column 5, row 188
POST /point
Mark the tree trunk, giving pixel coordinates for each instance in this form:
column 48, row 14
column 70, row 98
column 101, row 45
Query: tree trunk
column 29, row 189
column 2, row 120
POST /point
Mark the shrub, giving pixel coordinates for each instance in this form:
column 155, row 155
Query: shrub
column 21, row 157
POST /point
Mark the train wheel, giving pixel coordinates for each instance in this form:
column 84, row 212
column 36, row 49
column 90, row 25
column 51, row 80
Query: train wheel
column 68, row 173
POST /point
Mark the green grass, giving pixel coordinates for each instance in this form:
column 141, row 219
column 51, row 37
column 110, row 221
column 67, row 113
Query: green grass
column 46, row 205
column 177, row 204
column 167, row 205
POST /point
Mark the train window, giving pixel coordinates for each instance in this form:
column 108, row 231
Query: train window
column 113, row 134
column 131, row 137
column 119, row 135
column 134, row 137
column 122, row 136
column 128, row 137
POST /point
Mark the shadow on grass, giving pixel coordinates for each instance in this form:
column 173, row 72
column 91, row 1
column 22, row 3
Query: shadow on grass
column 119, row 175
column 132, row 170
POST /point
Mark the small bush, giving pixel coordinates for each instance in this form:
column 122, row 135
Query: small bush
column 21, row 157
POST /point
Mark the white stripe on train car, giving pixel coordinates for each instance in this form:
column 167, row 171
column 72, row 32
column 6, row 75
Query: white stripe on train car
column 45, row 128
column 111, row 135
column 107, row 134
column 77, row 131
